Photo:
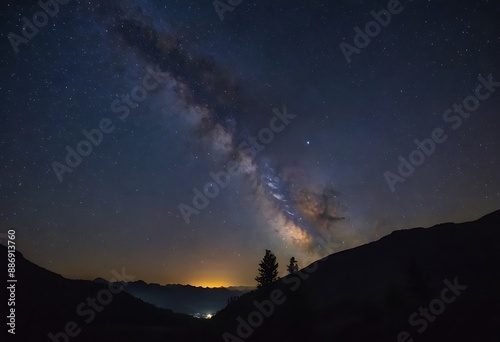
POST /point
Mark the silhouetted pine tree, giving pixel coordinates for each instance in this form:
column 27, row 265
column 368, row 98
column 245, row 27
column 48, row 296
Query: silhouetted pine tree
column 268, row 270
column 292, row 266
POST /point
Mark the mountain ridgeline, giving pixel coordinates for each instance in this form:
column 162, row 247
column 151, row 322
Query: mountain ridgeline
column 436, row 284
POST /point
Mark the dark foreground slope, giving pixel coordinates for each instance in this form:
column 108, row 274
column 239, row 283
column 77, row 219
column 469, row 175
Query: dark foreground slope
column 369, row 293
column 46, row 302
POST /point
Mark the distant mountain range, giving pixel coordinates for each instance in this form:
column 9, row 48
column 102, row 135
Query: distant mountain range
column 435, row 284
column 191, row 300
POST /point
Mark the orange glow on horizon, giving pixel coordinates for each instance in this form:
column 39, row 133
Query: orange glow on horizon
column 211, row 283
column 218, row 282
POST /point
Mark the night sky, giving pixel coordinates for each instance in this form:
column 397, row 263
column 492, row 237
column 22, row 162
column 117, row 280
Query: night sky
column 172, row 95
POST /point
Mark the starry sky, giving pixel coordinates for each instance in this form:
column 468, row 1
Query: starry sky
column 172, row 95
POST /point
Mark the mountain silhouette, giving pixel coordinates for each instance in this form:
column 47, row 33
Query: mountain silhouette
column 46, row 302
column 368, row 293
